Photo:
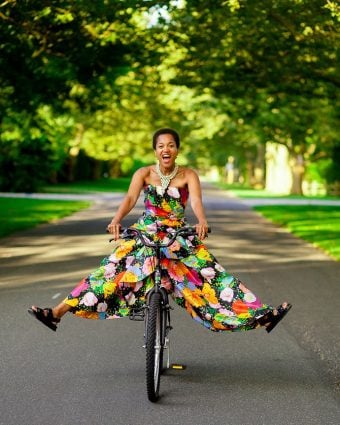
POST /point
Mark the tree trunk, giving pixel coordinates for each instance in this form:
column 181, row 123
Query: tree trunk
column 74, row 152
column 114, row 168
column 255, row 168
column 249, row 168
column 97, row 170
column 297, row 164
column 259, row 169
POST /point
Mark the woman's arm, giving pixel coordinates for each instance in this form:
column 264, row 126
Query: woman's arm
column 129, row 201
column 195, row 191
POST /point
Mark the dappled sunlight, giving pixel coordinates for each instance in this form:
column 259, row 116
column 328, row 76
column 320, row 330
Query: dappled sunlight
column 246, row 238
column 58, row 255
column 49, row 250
column 66, row 259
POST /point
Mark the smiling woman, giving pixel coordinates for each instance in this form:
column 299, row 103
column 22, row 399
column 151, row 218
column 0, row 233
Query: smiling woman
column 212, row 296
column 166, row 144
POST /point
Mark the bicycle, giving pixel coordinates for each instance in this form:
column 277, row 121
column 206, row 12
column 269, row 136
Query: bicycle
column 155, row 312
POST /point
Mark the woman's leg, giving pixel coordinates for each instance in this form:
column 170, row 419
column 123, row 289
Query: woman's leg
column 217, row 299
column 58, row 311
column 50, row 317
column 271, row 319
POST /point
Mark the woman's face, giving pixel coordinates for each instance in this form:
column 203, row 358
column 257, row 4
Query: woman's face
column 166, row 150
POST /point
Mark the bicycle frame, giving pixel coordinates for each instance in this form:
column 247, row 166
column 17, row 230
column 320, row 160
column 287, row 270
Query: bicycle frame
column 156, row 312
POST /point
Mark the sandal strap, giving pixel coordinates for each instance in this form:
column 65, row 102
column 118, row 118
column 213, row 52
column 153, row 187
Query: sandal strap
column 280, row 309
column 50, row 315
column 45, row 316
column 281, row 312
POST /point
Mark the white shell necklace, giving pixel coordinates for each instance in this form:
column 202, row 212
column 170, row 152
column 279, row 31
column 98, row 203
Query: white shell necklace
column 165, row 179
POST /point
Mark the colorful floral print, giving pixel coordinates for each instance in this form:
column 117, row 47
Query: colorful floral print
column 190, row 273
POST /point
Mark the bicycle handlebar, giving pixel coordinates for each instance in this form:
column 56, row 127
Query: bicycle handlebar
column 184, row 231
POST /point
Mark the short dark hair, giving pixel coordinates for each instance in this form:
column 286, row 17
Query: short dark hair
column 165, row 131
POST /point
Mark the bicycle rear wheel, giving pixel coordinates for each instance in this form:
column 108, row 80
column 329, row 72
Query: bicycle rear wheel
column 154, row 346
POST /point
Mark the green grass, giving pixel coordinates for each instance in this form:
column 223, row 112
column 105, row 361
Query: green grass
column 102, row 185
column 319, row 225
column 19, row 214
column 260, row 193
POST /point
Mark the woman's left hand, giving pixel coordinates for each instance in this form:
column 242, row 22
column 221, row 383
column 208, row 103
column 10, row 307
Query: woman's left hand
column 202, row 230
column 114, row 229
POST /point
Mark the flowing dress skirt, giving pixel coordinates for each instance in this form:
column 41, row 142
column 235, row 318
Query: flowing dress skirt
column 190, row 273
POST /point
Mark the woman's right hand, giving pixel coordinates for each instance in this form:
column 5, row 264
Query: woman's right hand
column 114, row 229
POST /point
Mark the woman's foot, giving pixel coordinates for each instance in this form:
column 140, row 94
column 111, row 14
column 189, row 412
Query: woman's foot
column 271, row 319
column 45, row 316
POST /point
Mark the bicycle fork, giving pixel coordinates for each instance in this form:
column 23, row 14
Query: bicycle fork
column 166, row 321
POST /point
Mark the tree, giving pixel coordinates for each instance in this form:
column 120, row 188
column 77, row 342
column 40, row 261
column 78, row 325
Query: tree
column 268, row 58
column 62, row 56
column 230, row 75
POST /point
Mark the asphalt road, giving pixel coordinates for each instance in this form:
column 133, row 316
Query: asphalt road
column 92, row 372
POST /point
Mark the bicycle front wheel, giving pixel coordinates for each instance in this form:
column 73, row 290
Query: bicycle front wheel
column 154, row 346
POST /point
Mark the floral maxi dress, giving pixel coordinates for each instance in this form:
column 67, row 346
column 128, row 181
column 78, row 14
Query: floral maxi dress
column 190, row 273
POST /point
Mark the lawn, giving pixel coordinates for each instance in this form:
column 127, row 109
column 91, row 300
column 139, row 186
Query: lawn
column 19, row 213
column 319, row 225
column 261, row 193
column 23, row 213
column 101, row 185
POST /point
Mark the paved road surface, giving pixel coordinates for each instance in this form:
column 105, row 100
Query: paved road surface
column 92, row 372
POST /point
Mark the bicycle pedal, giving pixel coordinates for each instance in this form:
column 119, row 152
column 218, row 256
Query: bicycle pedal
column 177, row 366
column 137, row 316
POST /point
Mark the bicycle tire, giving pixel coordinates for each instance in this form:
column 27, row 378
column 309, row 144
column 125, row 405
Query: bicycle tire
column 154, row 346
column 165, row 328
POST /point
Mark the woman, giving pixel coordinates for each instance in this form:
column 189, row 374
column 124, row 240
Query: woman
column 197, row 282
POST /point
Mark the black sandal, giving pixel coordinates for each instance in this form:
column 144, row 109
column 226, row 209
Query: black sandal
column 47, row 319
column 270, row 320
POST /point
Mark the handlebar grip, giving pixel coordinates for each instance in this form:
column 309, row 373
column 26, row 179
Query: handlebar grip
column 184, row 231
column 190, row 231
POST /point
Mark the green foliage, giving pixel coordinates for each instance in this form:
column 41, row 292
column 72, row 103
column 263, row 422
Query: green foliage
column 59, row 64
column 49, row 46
column 276, row 63
column 316, row 171
column 84, row 84
column 25, row 155
column 278, row 46
column 332, row 172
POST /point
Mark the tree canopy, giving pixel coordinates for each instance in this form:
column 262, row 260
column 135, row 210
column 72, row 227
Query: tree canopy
column 96, row 78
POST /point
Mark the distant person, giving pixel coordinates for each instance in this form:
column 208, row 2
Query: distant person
column 197, row 282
